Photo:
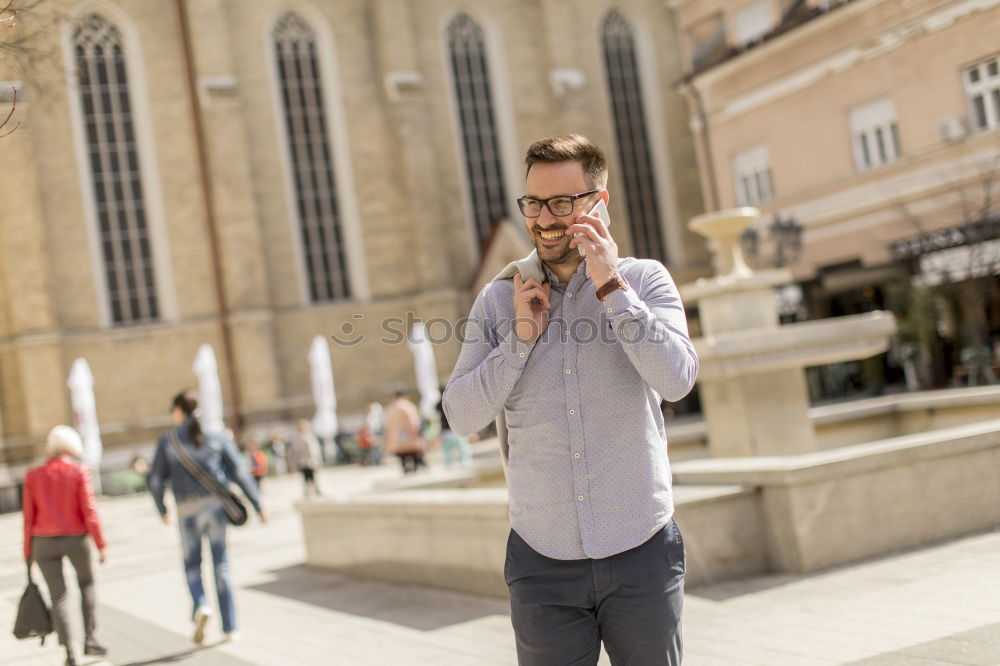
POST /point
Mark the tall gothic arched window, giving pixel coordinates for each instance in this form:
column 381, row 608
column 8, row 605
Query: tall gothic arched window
column 477, row 123
column 116, row 178
column 632, row 134
column 311, row 159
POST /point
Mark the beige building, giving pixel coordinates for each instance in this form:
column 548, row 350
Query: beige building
column 250, row 174
column 874, row 124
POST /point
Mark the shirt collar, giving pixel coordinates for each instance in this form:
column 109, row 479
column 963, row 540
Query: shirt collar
column 553, row 279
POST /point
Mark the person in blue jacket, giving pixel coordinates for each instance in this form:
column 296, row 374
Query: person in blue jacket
column 199, row 512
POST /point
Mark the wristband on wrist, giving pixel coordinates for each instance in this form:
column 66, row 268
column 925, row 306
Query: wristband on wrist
column 614, row 283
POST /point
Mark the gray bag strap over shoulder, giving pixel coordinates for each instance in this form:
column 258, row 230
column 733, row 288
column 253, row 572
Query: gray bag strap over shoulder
column 234, row 509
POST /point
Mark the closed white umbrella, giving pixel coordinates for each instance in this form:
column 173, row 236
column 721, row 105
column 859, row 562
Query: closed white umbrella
column 81, row 391
column 209, row 390
column 324, row 423
column 426, row 370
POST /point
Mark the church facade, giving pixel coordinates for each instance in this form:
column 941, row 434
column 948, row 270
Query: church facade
column 251, row 174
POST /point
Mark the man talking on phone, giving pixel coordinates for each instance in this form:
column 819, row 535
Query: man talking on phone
column 577, row 363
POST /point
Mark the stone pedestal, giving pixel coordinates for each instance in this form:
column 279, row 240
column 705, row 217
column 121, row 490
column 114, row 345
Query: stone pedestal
column 758, row 414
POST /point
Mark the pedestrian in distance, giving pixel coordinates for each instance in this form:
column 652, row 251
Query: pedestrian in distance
column 369, row 435
column 60, row 511
column 305, row 455
column 403, row 436
column 455, row 448
column 256, row 460
column 276, row 448
column 594, row 553
column 200, row 513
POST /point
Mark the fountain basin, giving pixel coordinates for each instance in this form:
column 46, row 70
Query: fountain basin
column 804, row 344
column 724, row 228
column 739, row 516
column 456, row 539
column 831, row 507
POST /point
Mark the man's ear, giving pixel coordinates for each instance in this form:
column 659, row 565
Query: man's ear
column 605, row 196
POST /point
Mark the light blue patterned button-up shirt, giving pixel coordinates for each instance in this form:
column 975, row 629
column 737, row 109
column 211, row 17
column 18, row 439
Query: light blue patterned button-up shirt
column 587, row 474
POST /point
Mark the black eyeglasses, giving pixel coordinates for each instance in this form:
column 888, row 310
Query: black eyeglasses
column 558, row 206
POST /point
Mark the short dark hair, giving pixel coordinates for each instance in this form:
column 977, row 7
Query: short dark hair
column 571, row 148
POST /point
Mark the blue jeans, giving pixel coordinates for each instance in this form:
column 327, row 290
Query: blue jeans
column 563, row 609
column 455, row 447
column 211, row 523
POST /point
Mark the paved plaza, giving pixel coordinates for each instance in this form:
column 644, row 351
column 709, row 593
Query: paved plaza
column 938, row 605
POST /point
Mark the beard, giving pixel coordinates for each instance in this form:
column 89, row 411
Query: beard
column 559, row 254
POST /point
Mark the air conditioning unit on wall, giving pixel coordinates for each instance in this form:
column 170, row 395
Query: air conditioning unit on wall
column 952, row 129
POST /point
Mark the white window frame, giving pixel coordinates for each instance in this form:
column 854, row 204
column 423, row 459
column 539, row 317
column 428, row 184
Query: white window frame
column 752, row 179
column 987, row 89
column 874, row 135
column 338, row 134
column 148, row 163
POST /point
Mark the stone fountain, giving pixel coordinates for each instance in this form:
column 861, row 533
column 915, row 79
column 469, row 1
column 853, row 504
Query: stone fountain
column 752, row 379
column 768, row 498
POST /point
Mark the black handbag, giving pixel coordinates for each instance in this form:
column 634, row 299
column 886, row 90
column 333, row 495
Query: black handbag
column 33, row 617
column 231, row 503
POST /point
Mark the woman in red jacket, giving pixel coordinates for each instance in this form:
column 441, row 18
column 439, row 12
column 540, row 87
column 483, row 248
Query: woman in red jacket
column 59, row 513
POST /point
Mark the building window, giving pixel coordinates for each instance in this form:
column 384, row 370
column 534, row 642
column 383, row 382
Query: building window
column 707, row 38
column 477, row 123
column 311, row 159
column 753, row 22
column 113, row 160
column 752, row 175
column 874, row 135
column 634, row 149
column 982, row 86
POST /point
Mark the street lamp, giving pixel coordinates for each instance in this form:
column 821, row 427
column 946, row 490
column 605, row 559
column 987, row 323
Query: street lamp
column 786, row 237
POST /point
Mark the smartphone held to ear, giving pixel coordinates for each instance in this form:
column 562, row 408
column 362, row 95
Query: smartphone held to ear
column 599, row 210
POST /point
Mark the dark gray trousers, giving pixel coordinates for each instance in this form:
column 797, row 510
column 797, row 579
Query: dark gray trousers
column 562, row 609
column 48, row 553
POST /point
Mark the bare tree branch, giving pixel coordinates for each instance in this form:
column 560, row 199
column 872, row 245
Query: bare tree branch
column 27, row 48
column 10, row 21
column 13, row 107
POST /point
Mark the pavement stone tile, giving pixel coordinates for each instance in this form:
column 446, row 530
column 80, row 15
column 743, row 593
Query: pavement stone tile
column 955, row 649
column 988, row 634
column 879, row 612
column 898, row 659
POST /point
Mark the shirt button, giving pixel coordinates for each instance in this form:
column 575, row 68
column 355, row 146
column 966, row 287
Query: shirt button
column 609, row 310
column 506, row 388
column 572, row 411
column 521, row 354
column 576, row 455
column 580, row 498
column 568, row 371
column 569, row 294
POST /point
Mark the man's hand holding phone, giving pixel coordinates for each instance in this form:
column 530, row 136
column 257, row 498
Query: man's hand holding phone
column 531, row 308
column 599, row 248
